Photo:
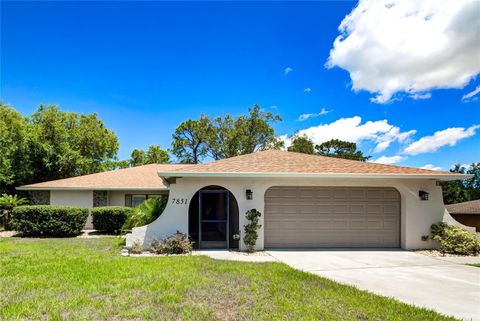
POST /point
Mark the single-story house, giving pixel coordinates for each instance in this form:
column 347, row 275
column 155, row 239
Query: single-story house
column 467, row 213
column 306, row 201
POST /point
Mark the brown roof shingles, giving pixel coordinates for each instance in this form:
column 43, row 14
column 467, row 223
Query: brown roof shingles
column 276, row 161
column 470, row 207
column 140, row 177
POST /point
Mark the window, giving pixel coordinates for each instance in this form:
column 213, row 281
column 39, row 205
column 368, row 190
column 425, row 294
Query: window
column 138, row 199
column 133, row 200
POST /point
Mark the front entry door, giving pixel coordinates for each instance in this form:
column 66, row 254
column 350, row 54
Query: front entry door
column 213, row 218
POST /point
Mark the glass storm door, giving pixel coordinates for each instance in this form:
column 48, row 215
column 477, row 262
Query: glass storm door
column 213, row 218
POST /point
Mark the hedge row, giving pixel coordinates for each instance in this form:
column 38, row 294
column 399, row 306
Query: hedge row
column 110, row 218
column 49, row 220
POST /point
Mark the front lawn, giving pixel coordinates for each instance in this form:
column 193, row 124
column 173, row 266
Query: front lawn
column 71, row 279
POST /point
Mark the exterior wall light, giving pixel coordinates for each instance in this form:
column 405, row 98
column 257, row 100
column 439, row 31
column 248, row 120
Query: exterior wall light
column 423, row 195
column 249, row 194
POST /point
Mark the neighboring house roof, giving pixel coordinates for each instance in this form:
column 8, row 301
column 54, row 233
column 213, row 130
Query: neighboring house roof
column 133, row 178
column 276, row 163
column 470, row 207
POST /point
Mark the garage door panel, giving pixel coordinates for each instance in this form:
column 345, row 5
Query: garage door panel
column 332, row 217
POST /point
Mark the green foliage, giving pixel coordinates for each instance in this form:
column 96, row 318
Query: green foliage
column 225, row 137
column 146, row 213
column 52, row 144
column 455, row 240
column 251, row 234
column 14, row 164
column 49, row 220
column 462, row 191
column 302, row 144
column 110, row 218
column 177, row 243
column 190, row 139
column 7, row 204
column 154, row 155
column 341, row 149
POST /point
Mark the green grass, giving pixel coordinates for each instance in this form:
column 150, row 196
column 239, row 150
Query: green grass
column 475, row 264
column 87, row 279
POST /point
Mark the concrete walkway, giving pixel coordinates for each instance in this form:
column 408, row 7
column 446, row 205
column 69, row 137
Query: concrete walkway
column 440, row 284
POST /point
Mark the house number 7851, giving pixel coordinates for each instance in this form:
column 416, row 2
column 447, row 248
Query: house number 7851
column 179, row 201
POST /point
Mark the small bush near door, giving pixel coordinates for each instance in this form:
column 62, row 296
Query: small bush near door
column 455, row 240
column 110, row 219
column 251, row 234
column 177, row 243
column 49, row 220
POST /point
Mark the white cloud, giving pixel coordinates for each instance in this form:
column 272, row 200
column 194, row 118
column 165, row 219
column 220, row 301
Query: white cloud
column 351, row 129
column 431, row 167
column 471, row 95
column 307, row 90
column 274, row 106
column 449, row 136
column 399, row 46
column 390, row 159
column 417, row 96
column 288, row 70
column 303, row 117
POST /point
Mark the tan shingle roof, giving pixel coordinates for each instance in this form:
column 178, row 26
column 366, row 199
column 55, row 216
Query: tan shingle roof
column 276, row 161
column 471, row 207
column 140, row 177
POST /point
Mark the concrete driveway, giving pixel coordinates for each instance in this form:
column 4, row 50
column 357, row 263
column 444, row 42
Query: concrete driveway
column 435, row 283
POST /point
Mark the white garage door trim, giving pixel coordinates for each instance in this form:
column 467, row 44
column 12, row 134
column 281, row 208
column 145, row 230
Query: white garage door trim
column 306, row 217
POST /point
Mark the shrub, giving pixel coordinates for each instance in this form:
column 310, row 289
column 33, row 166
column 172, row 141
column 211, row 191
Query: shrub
column 110, row 218
column 7, row 204
column 49, row 220
column 177, row 243
column 455, row 240
column 137, row 248
column 146, row 213
column 251, row 235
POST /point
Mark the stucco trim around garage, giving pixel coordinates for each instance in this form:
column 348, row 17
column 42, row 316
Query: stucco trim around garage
column 440, row 177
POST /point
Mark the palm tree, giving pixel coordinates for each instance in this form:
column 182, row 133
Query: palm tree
column 7, row 203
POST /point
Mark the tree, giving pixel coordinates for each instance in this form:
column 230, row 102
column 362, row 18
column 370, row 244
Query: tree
column 52, row 144
column 7, row 203
column 462, row 191
column 341, row 149
column 302, row 144
column 255, row 132
column 137, row 157
column 65, row 144
column 14, row 166
column 224, row 137
column 190, row 140
column 156, row 155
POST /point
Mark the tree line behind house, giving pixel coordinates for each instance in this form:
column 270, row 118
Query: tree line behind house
column 53, row 144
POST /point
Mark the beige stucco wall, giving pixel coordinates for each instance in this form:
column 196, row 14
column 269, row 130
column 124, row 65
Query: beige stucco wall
column 83, row 198
column 416, row 215
column 74, row 198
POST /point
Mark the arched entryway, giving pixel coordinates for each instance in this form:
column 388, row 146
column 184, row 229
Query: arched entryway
column 213, row 218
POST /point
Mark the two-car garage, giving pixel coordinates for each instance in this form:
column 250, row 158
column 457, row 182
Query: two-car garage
column 308, row 217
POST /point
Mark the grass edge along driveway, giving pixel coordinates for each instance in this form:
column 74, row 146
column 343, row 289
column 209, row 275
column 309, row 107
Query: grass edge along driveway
column 87, row 279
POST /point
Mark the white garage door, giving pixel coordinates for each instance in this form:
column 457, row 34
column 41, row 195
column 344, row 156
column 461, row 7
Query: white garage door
column 302, row 217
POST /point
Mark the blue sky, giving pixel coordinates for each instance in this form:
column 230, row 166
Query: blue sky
column 145, row 67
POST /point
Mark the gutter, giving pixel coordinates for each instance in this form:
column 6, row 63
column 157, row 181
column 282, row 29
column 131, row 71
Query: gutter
column 440, row 177
column 43, row 188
